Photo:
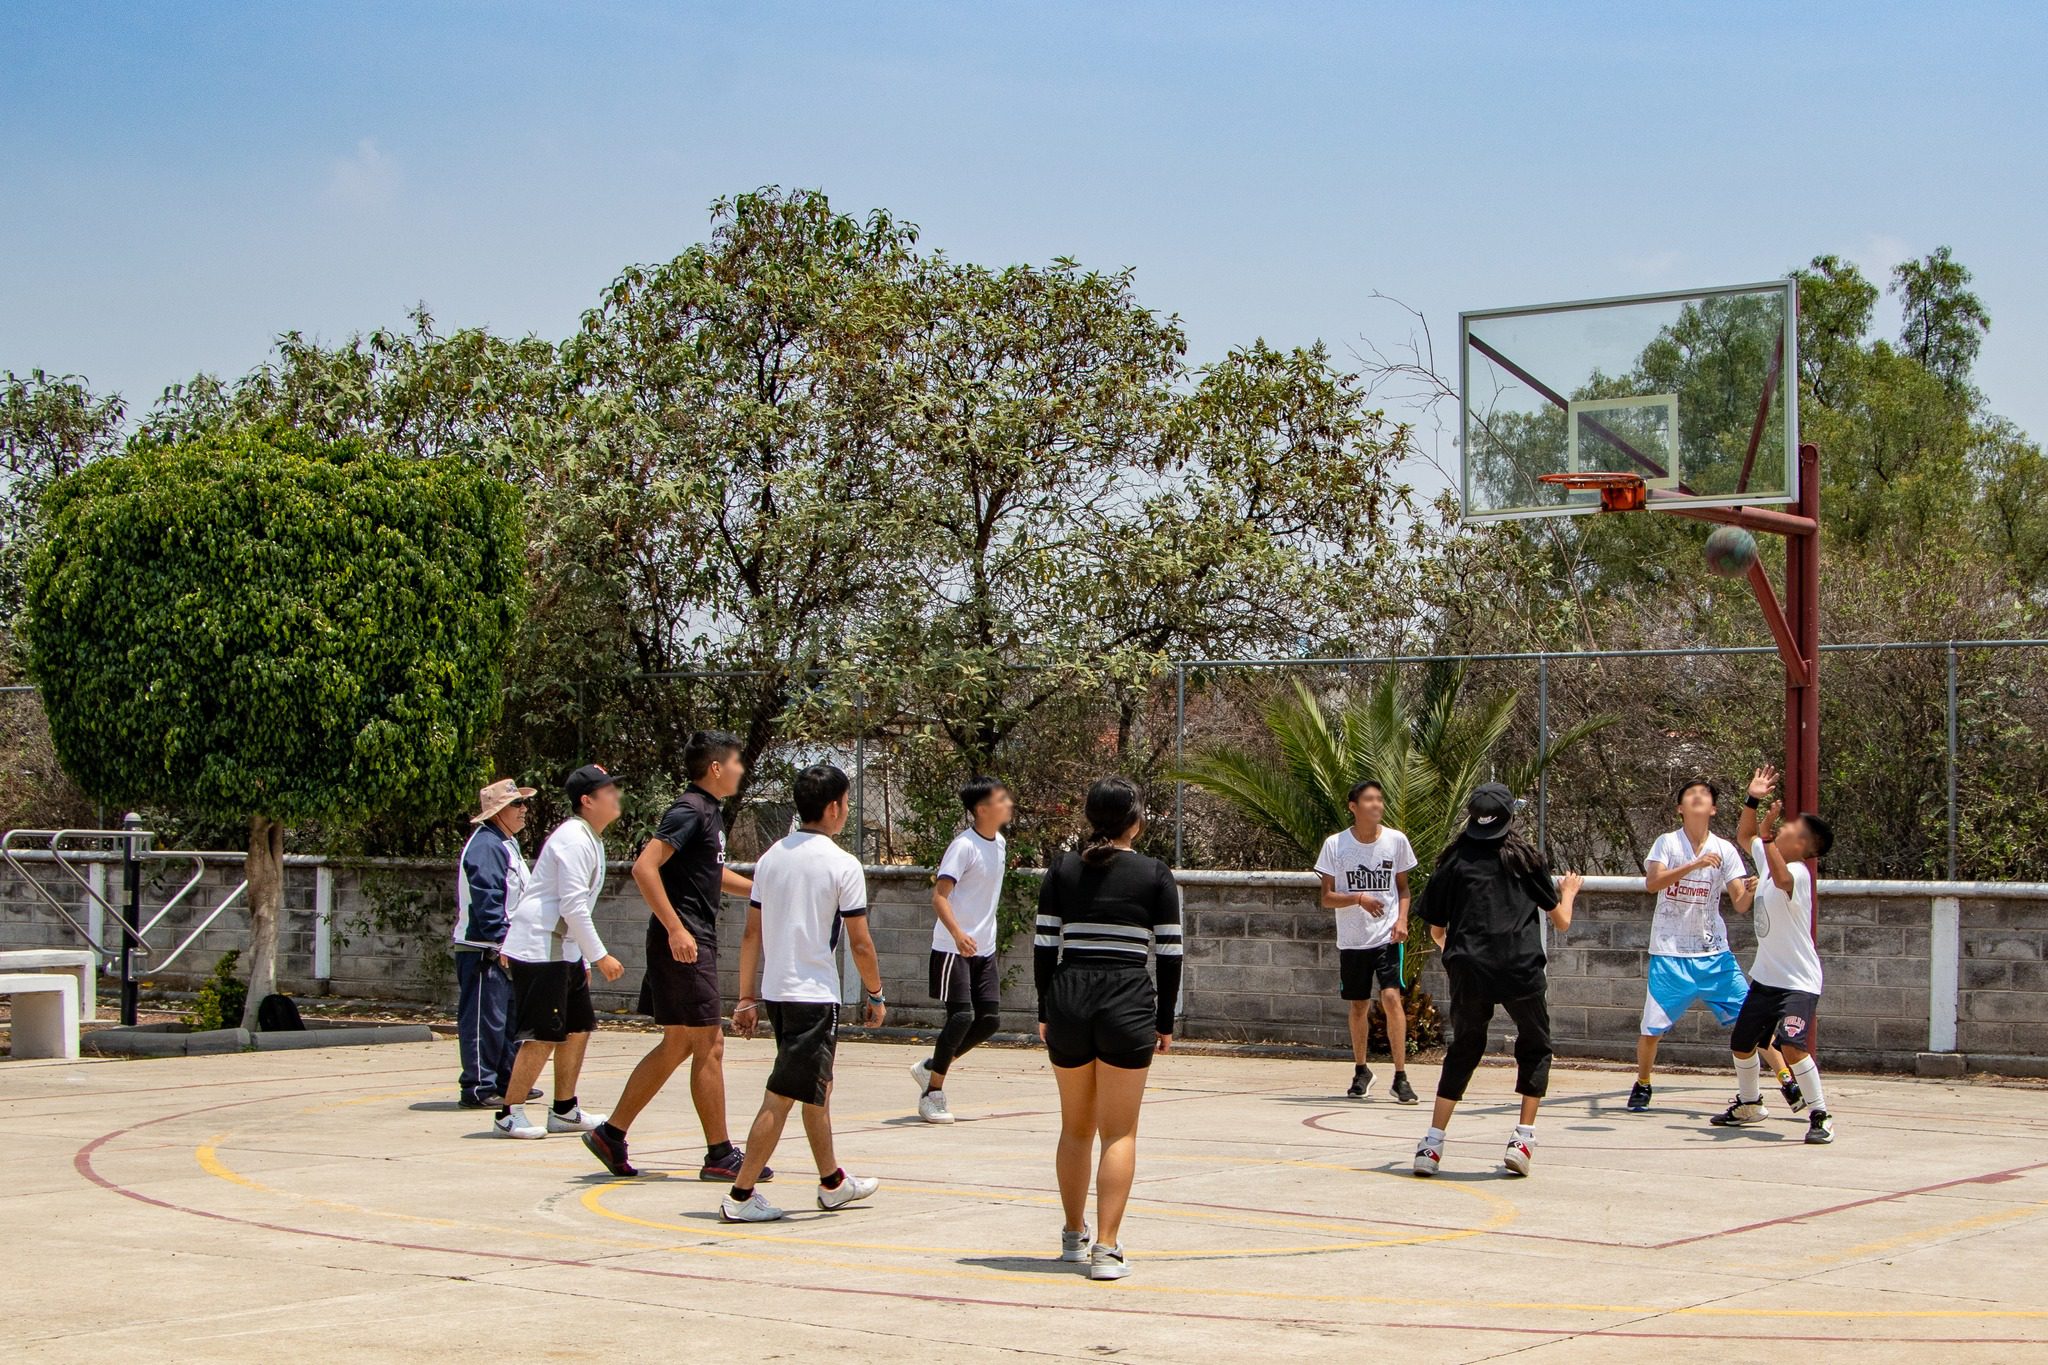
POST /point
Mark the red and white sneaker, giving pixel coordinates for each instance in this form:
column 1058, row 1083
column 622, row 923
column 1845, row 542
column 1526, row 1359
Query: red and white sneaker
column 1428, row 1157
column 1519, row 1155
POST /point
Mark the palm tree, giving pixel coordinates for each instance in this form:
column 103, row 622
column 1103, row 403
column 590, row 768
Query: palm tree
column 1428, row 756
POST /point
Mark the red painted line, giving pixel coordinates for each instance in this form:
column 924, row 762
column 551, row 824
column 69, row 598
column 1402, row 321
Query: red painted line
column 1992, row 1178
column 82, row 1162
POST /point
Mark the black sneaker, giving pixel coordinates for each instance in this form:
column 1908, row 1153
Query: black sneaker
column 479, row 1102
column 609, row 1150
column 1820, row 1128
column 727, row 1168
column 1793, row 1098
column 1638, row 1097
column 1361, row 1083
column 1404, row 1093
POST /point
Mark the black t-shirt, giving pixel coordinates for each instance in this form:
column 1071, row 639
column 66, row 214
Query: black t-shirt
column 1110, row 914
column 694, row 828
column 1491, row 917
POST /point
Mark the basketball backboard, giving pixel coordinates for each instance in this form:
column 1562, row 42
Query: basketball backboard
column 1695, row 391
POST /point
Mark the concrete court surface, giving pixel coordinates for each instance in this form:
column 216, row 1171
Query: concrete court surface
column 335, row 1204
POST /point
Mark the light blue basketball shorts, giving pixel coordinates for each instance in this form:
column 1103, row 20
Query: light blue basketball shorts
column 1678, row 983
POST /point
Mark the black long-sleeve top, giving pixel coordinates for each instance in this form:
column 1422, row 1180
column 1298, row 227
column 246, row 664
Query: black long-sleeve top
column 1110, row 914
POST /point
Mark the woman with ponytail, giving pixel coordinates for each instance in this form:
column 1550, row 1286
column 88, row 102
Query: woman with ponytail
column 1101, row 912
column 1484, row 905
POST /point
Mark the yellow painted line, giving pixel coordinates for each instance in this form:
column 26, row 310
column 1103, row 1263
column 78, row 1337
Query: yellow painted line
column 1982, row 1220
column 210, row 1162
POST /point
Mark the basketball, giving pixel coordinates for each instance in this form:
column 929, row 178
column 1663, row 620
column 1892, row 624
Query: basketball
column 1730, row 551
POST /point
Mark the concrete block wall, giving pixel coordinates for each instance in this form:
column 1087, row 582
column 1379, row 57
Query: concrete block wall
column 1261, row 958
column 2003, row 979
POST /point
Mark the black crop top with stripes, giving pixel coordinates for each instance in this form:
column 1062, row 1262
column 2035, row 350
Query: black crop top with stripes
column 1112, row 914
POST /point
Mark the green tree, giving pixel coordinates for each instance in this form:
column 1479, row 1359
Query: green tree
column 1944, row 323
column 265, row 627
column 50, row 425
column 725, row 388
column 1428, row 753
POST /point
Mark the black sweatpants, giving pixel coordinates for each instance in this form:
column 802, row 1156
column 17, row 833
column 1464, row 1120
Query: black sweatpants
column 1472, row 1005
column 968, row 1026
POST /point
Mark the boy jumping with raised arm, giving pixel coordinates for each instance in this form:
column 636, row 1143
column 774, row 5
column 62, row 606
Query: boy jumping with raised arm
column 1365, row 880
column 964, row 975
column 1785, row 979
column 807, row 890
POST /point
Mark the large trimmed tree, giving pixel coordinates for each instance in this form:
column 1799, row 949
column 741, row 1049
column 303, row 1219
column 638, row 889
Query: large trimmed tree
column 260, row 626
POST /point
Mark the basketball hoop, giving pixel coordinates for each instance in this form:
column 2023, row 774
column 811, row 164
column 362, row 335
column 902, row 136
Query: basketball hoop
column 1618, row 492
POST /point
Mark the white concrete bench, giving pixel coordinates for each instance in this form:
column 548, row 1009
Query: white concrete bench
column 82, row 962
column 45, row 1014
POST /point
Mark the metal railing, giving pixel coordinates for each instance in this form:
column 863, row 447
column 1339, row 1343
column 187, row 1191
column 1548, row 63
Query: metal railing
column 131, row 844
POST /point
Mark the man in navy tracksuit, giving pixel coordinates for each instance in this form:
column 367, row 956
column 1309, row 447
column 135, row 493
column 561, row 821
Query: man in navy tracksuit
column 493, row 876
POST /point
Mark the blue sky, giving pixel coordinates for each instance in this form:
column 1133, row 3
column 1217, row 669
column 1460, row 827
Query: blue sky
column 184, row 181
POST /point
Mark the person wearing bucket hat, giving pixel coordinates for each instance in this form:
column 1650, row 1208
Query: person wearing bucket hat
column 552, row 942
column 1484, row 904
column 493, row 878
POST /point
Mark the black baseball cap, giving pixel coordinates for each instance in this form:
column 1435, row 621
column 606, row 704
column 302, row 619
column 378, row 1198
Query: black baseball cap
column 585, row 780
column 1489, row 811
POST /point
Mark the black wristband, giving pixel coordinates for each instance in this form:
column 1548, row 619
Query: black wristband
column 1753, row 802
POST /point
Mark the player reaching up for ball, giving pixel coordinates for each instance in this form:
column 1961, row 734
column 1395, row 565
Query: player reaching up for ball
column 1365, row 880
column 1484, row 905
column 1689, row 869
column 1785, row 979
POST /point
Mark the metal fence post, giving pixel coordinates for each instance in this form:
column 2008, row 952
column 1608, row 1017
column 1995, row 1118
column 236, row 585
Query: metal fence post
column 1951, row 760
column 131, row 887
column 1180, row 730
column 1543, row 753
column 860, row 776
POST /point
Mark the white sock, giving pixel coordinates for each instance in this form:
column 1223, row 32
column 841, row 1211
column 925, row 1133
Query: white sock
column 1433, row 1138
column 1526, row 1133
column 1808, row 1075
column 1749, row 1073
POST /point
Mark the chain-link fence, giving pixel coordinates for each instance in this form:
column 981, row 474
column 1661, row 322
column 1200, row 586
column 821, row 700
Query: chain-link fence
column 1933, row 761
column 1934, row 754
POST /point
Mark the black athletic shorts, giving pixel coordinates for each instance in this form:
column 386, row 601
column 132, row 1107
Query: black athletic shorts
column 1102, row 1014
column 806, row 1040
column 963, row 981
column 550, row 1001
column 1774, row 1012
column 1356, row 968
column 684, row 993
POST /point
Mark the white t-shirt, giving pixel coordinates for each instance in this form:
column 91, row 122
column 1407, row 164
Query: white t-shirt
column 1371, row 868
column 1785, row 955
column 552, row 920
column 805, row 884
column 976, row 866
column 1688, row 922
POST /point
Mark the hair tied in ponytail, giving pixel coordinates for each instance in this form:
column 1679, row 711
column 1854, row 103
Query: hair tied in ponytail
column 1113, row 807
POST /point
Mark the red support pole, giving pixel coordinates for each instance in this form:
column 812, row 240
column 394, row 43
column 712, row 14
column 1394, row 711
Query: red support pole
column 1802, row 697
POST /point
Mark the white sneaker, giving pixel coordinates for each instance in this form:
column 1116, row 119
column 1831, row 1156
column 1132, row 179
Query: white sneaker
column 1074, row 1245
column 754, row 1210
column 852, row 1188
column 922, row 1074
column 1428, row 1158
column 1519, row 1156
column 517, row 1125
column 931, row 1107
column 577, row 1120
column 1107, row 1263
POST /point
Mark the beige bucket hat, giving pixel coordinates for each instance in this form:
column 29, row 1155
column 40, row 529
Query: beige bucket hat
column 497, row 796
